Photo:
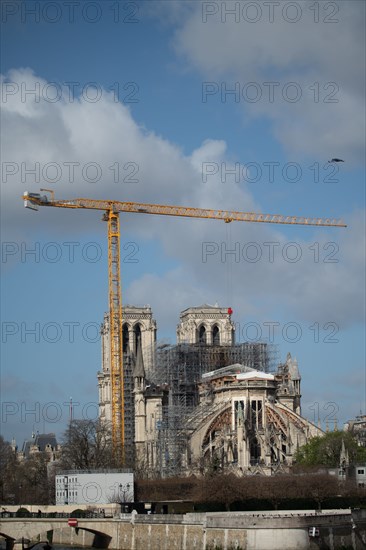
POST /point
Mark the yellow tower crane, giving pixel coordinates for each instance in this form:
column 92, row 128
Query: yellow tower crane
column 112, row 210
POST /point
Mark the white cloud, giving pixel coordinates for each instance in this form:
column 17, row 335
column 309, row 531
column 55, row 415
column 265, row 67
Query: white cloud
column 105, row 132
column 210, row 151
column 312, row 54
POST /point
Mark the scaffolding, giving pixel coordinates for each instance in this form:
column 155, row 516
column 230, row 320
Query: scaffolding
column 177, row 371
column 129, row 410
column 180, row 368
column 182, row 365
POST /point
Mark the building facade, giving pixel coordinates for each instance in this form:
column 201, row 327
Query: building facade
column 94, row 487
column 39, row 443
column 206, row 400
column 246, row 421
column 250, row 420
column 357, row 427
column 206, row 325
column 139, row 331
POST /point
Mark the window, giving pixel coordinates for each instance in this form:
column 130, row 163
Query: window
column 125, row 337
column 202, row 337
column 257, row 419
column 137, row 333
column 216, row 335
column 361, row 471
column 239, row 413
column 255, row 451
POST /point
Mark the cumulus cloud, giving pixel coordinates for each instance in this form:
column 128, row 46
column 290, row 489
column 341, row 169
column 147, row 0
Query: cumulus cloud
column 321, row 54
column 105, row 133
column 83, row 148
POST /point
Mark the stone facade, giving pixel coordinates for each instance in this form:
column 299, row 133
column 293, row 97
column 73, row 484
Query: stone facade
column 244, row 419
column 206, row 324
column 250, row 420
column 284, row 530
column 357, row 427
column 39, row 443
column 138, row 326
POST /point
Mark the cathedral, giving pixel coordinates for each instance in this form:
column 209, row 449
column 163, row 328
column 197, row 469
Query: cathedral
column 206, row 402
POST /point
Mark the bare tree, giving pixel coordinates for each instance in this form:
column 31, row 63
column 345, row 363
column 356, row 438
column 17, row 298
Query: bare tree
column 87, row 445
column 26, row 481
column 166, row 489
column 318, row 487
column 7, row 471
column 277, row 488
column 223, row 489
column 32, row 474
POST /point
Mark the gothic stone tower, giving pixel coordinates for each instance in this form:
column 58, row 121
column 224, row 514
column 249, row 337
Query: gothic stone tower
column 138, row 326
column 206, row 324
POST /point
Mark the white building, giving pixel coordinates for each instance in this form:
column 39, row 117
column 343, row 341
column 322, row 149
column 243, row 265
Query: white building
column 94, row 487
column 360, row 474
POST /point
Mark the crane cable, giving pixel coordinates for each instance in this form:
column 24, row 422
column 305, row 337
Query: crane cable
column 228, row 259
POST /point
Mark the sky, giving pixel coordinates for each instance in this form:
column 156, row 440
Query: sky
column 226, row 105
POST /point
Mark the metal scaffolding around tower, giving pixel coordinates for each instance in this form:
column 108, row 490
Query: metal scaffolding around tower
column 182, row 365
column 179, row 368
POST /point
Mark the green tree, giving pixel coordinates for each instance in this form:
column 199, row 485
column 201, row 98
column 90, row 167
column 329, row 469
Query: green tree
column 325, row 450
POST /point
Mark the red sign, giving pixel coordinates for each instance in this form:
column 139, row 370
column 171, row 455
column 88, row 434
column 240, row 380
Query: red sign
column 72, row 522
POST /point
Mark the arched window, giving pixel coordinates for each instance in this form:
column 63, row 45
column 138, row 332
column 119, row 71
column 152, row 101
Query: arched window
column 216, row 335
column 137, row 335
column 257, row 417
column 125, row 337
column 202, row 336
column 255, row 451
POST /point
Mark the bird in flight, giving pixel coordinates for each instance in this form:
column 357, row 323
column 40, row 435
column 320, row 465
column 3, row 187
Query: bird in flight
column 336, row 160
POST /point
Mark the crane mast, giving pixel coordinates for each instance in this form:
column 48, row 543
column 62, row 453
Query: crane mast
column 115, row 333
column 111, row 215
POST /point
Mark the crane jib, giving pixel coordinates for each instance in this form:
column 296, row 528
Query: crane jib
column 111, row 210
column 33, row 200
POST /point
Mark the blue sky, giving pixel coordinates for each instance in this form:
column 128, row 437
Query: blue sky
column 197, row 105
